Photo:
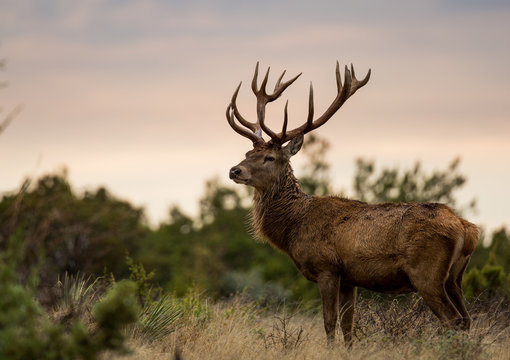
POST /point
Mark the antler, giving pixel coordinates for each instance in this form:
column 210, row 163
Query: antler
column 255, row 135
column 263, row 98
column 345, row 91
column 350, row 86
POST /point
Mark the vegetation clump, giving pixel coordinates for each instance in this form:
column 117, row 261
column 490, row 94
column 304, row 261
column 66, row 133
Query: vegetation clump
column 27, row 332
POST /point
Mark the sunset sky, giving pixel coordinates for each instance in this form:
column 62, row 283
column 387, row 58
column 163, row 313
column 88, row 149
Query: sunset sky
column 132, row 94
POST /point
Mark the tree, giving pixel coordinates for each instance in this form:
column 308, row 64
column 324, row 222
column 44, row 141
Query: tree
column 499, row 248
column 489, row 282
column 66, row 232
column 315, row 178
column 408, row 185
column 489, row 268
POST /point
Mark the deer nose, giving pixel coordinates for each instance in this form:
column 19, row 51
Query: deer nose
column 234, row 172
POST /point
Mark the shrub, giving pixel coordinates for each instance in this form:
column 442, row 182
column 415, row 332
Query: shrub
column 473, row 283
column 488, row 282
column 26, row 332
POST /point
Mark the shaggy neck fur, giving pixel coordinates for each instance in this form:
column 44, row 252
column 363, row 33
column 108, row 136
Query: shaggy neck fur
column 276, row 209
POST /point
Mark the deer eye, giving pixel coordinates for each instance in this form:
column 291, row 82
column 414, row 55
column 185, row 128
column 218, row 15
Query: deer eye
column 268, row 158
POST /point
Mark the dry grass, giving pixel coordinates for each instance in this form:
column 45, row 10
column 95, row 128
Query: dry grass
column 399, row 329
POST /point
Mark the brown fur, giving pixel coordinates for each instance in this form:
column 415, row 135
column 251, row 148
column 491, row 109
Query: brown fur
column 341, row 244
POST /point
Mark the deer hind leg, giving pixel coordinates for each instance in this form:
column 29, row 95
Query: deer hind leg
column 329, row 284
column 429, row 279
column 441, row 305
column 454, row 289
column 347, row 301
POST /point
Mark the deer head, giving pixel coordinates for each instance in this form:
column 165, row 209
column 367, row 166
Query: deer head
column 264, row 164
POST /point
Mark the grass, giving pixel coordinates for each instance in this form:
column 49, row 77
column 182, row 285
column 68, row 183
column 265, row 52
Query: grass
column 402, row 328
column 385, row 328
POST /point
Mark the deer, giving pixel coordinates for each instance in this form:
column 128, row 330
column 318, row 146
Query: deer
column 342, row 244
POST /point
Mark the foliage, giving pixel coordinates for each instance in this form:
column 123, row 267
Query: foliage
column 474, row 283
column 73, row 233
column 194, row 307
column 499, row 249
column 315, row 178
column 159, row 316
column 394, row 185
column 157, row 320
column 26, row 331
column 253, row 286
column 489, row 271
column 75, row 296
column 118, row 308
column 143, row 280
column 489, row 282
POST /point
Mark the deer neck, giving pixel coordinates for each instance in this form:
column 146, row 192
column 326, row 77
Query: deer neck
column 277, row 209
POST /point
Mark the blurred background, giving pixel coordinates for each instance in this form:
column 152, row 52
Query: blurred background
column 131, row 95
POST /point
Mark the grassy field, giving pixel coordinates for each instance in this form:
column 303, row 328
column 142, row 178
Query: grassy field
column 402, row 328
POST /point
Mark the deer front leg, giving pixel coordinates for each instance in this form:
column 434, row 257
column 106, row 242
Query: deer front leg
column 347, row 301
column 328, row 286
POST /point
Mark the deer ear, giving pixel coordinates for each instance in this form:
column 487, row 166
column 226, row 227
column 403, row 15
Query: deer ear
column 294, row 145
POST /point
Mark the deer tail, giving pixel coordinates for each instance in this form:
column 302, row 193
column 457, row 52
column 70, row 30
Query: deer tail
column 470, row 237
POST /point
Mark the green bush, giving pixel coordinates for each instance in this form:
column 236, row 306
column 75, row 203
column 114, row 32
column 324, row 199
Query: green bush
column 495, row 276
column 488, row 282
column 26, row 331
column 473, row 283
column 118, row 308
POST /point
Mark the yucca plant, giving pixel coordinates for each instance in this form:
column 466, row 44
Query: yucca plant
column 157, row 320
column 76, row 295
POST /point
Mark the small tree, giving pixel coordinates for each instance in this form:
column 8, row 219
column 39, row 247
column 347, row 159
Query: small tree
column 489, row 282
column 408, row 185
column 71, row 232
column 315, row 179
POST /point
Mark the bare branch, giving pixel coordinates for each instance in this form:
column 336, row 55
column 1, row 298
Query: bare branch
column 8, row 119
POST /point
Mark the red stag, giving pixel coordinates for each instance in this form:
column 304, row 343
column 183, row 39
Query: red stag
column 341, row 244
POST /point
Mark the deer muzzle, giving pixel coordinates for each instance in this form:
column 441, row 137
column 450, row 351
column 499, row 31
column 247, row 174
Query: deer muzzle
column 234, row 172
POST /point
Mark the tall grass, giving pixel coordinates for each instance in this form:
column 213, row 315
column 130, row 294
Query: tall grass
column 197, row 328
column 403, row 328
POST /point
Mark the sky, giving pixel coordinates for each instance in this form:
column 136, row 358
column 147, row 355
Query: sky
column 131, row 95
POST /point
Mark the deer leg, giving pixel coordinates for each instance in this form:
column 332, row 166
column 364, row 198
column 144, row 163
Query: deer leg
column 454, row 289
column 442, row 307
column 329, row 287
column 429, row 273
column 347, row 301
column 434, row 294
